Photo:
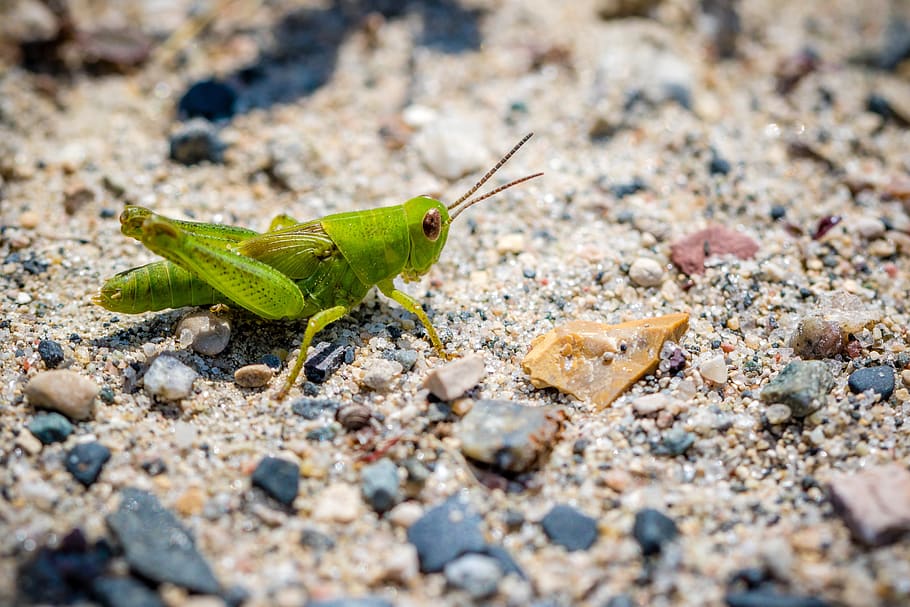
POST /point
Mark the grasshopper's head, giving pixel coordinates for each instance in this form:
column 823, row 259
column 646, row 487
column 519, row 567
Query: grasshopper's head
column 429, row 220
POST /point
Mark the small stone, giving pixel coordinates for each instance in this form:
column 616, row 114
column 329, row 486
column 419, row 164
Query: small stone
column 206, row 333
column 764, row 597
column 124, row 592
column 508, row 435
column 400, row 564
column 650, row 404
column 210, row 99
column 816, row 338
column 444, row 533
column 453, row 379
column 405, row 514
column 157, row 546
column 597, row 361
column 510, row 243
column 407, row 358
column 714, row 369
column 874, row 503
column 85, row 461
column 190, row 502
column 379, row 373
column 51, row 353
column 905, row 377
column 29, row 220
column 64, row 391
column 325, row 359
column 567, row 527
column 50, row 427
column 279, row 478
column 59, row 575
column 316, row 540
column 314, row 408
column 29, row 443
column 868, row 227
column 802, row 385
column 272, row 361
column 169, row 379
column 196, row 141
column 75, row 197
column 778, row 414
column 185, row 434
column 718, row 164
column 23, row 298
column 646, row 272
column 379, row 483
column 878, row 379
column 689, row 253
column 476, row 574
column 338, row 503
column 363, row 601
column 253, row 376
column 652, row 530
column 673, row 442
column 451, row 148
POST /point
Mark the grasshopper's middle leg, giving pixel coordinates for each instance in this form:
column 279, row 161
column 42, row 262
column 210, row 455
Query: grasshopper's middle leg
column 318, row 321
column 411, row 305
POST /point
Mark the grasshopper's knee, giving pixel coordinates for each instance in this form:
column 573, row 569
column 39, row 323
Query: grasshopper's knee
column 132, row 219
column 160, row 233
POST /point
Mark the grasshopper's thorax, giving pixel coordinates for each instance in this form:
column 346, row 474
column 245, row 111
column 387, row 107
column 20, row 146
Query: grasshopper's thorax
column 428, row 227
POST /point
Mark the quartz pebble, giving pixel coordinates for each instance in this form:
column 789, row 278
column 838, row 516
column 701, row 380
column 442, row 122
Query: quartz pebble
column 477, row 574
column 206, row 333
column 567, row 527
column 253, row 376
column 646, row 272
column 878, row 379
column 65, row 391
column 453, row 379
column 778, row 414
column 379, row 483
column 714, row 369
column 801, row 385
column 169, row 379
column 379, row 373
column 279, row 478
column 652, row 530
column 451, row 148
column 508, row 435
column 874, row 503
column 338, row 503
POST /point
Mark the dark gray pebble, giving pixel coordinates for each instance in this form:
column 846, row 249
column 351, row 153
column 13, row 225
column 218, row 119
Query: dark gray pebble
column 317, row 540
column 675, row 441
column 379, row 483
column 568, row 527
column 319, row 435
column 85, row 461
column 279, row 478
column 124, row 592
column 718, row 164
column 209, row 99
column 766, row 598
column 653, row 529
column 444, row 533
column 326, row 359
column 157, row 546
column 621, row 600
column 271, row 361
column 51, row 353
column 60, row 575
column 364, row 601
column 50, row 427
column 312, row 408
column 802, row 385
column 196, row 141
column 878, row 379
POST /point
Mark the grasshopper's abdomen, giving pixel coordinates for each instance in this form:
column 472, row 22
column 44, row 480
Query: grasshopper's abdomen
column 155, row 286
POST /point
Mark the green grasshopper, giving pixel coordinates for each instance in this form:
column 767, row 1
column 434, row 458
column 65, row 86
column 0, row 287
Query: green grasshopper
column 319, row 269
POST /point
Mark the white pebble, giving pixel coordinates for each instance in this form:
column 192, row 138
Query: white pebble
column 714, row 369
column 455, row 378
column 209, row 334
column 651, row 403
column 23, row 298
column 510, row 243
column 185, row 434
column 646, row 272
column 869, row 227
column 338, row 503
column 418, row 116
column 169, row 379
column 405, row 514
column 380, row 372
column 477, row 574
column 451, row 148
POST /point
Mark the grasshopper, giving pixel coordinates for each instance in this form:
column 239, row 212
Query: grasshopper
column 320, row 269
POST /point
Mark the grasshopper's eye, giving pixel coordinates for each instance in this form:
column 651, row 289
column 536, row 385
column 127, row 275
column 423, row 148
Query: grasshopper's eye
column 432, row 223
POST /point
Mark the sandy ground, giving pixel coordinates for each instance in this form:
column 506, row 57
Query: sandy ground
column 356, row 127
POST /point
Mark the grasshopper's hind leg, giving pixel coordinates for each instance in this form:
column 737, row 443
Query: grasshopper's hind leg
column 318, row 322
column 251, row 284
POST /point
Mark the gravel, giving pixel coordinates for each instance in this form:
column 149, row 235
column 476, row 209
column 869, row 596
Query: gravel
column 64, row 391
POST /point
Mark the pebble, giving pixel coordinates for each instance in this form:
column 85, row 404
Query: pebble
column 206, row 333
column 191, row 502
column 325, row 359
column 453, row 379
column 185, row 434
column 314, row 408
column 196, row 141
column 650, row 404
column 405, row 514
column 210, row 99
column 451, row 148
column 868, row 227
column 878, row 379
column 762, row 597
column 50, row 427
column 338, row 503
column 379, row 373
column 689, row 253
column 379, row 483
column 156, row 546
column 86, row 460
column 75, row 197
column 279, row 478
column 874, row 503
column 508, row 435
column 652, row 530
column 253, row 376
column 816, row 338
column 124, row 592
column 714, row 369
column 778, row 414
column 673, row 442
column 363, row 601
column 407, row 358
column 567, row 527
column 51, row 353
column 801, row 385
column 29, row 220
column 476, row 574
column 65, row 391
column 58, row 575
column 169, row 379
column 316, row 540
column 444, row 533
column 646, row 272
column 510, row 243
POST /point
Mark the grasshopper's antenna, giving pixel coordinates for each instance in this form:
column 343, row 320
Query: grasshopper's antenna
column 457, row 212
column 490, row 173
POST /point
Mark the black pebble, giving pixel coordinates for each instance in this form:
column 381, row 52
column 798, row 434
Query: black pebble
column 271, row 361
column 154, row 467
column 444, row 533
column 652, row 530
column 50, row 427
column 209, row 99
column 325, row 360
column 718, row 165
column 621, row 190
column 568, row 527
column 51, row 353
column 878, row 379
column 279, row 478
column 196, row 141
column 59, row 576
column 85, row 461
column 778, row 211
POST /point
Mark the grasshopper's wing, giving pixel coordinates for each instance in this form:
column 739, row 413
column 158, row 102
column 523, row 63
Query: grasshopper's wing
column 296, row 251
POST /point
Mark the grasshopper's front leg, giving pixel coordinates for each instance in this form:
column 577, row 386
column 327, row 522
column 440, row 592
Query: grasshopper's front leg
column 387, row 287
column 318, row 322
